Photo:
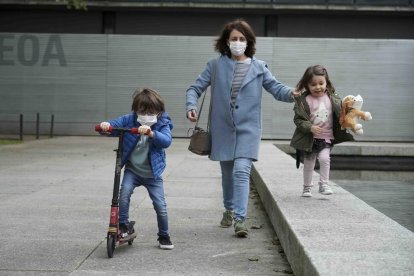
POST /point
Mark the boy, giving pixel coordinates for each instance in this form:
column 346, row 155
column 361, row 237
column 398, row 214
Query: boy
column 144, row 158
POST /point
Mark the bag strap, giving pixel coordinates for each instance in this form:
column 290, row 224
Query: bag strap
column 213, row 80
column 201, row 108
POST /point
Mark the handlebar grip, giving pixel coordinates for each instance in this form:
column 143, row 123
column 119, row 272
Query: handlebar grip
column 99, row 129
column 133, row 130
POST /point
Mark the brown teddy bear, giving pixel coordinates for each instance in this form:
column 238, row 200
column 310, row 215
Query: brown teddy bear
column 351, row 112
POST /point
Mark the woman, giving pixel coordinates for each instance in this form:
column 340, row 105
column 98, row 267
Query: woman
column 235, row 123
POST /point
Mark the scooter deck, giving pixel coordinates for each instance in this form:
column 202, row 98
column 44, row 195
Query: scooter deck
column 128, row 238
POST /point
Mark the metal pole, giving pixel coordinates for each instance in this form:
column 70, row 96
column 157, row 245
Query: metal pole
column 37, row 125
column 21, row 127
column 52, row 121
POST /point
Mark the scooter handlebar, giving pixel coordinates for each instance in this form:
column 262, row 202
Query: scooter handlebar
column 133, row 130
column 99, row 129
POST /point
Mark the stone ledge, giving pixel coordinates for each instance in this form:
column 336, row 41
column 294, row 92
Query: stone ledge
column 361, row 148
column 328, row 235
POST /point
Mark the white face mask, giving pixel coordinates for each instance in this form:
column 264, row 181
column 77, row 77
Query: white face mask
column 147, row 119
column 237, row 48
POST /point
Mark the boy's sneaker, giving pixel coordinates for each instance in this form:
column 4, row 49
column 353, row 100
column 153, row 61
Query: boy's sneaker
column 127, row 229
column 131, row 229
column 240, row 228
column 227, row 219
column 124, row 230
column 307, row 191
column 325, row 189
column 165, row 242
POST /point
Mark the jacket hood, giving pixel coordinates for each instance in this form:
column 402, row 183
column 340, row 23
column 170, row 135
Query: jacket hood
column 165, row 119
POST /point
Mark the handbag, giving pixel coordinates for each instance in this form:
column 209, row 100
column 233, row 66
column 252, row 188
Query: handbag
column 200, row 140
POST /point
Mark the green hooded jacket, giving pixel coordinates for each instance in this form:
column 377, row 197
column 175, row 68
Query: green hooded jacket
column 302, row 138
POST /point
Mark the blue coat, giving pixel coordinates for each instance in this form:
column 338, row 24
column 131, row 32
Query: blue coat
column 236, row 132
column 162, row 139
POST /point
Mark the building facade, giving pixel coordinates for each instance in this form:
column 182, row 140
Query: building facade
column 83, row 66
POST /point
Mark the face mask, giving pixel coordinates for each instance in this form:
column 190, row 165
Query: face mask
column 237, row 48
column 147, row 120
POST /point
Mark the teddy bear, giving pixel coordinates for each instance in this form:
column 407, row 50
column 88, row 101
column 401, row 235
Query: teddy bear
column 351, row 112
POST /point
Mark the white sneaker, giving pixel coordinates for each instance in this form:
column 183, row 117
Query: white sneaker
column 325, row 189
column 307, row 191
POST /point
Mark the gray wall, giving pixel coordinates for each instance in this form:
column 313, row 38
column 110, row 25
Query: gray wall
column 85, row 79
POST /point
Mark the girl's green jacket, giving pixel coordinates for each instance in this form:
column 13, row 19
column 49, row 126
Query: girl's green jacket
column 302, row 138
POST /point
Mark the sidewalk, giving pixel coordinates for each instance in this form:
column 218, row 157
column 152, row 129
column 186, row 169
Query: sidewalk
column 55, row 197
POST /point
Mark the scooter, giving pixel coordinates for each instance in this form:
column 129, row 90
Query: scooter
column 114, row 236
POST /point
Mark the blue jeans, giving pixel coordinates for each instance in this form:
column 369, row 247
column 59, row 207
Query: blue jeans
column 155, row 189
column 235, row 179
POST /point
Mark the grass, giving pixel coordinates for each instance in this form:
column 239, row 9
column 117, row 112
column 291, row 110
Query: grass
column 9, row 141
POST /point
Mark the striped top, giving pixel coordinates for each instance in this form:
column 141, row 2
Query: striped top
column 240, row 72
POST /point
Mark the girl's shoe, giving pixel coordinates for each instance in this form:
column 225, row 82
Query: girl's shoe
column 307, row 191
column 325, row 189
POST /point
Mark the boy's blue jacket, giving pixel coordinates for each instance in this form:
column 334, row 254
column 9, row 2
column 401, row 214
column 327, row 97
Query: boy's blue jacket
column 162, row 139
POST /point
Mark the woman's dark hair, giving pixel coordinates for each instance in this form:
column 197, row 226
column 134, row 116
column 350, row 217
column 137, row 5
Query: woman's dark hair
column 242, row 26
column 315, row 70
column 147, row 101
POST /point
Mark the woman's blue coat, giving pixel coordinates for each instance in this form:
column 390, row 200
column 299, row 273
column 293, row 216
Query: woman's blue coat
column 236, row 132
column 162, row 139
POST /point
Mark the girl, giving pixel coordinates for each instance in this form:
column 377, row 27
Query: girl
column 316, row 118
column 144, row 158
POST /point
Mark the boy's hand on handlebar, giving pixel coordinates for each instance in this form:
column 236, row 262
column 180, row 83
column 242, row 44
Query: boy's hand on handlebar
column 145, row 130
column 192, row 115
column 105, row 126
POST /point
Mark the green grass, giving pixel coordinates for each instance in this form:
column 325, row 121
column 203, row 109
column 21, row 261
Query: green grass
column 9, row 141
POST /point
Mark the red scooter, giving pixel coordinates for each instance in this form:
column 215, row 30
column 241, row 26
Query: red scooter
column 114, row 237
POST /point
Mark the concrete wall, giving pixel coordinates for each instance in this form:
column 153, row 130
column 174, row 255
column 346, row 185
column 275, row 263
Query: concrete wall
column 84, row 79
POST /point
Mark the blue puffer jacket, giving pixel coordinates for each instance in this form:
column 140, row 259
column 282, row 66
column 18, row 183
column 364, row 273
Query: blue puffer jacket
column 162, row 139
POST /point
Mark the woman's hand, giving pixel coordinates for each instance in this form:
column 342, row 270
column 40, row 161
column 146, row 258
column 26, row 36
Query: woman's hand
column 192, row 115
column 296, row 93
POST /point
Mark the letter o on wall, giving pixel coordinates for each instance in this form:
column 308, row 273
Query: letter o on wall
column 23, row 48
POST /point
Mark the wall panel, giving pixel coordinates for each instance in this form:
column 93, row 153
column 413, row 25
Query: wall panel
column 85, row 79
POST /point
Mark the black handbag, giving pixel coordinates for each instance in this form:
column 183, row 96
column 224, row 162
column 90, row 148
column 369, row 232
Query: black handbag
column 200, row 140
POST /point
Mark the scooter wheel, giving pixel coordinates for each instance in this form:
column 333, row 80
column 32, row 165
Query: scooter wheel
column 110, row 245
column 130, row 242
